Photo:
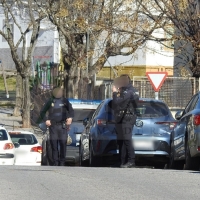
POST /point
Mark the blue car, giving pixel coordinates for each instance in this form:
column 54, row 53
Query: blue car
column 82, row 109
column 151, row 134
column 185, row 142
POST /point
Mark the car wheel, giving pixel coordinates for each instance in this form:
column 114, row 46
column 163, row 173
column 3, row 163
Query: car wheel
column 173, row 164
column 159, row 165
column 190, row 163
column 94, row 161
column 83, row 163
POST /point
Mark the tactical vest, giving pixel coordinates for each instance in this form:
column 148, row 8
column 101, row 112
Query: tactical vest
column 58, row 110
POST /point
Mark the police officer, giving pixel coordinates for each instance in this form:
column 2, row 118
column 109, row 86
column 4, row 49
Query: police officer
column 60, row 115
column 125, row 99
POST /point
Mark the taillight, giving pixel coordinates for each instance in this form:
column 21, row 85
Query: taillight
column 171, row 125
column 101, row 122
column 196, row 120
column 37, row 149
column 8, row 146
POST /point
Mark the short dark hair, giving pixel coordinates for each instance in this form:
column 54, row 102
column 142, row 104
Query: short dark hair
column 126, row 75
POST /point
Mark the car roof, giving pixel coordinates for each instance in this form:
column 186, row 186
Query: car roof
column 20, row 132
column 146, row 99
column 2, row 127
column 84, row 104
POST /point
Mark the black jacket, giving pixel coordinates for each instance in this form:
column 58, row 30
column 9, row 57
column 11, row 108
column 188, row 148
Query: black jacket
column 59, row 110
column 125, row 101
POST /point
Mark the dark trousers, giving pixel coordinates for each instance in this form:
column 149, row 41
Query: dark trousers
column 58, row 135
column 124, row 139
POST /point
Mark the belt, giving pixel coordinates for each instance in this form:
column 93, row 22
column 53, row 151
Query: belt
column 58, row 123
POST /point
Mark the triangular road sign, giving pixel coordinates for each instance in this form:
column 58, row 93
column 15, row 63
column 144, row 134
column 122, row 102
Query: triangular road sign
column 156, row 79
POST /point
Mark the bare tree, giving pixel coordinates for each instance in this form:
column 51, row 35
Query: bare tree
column 26, row 18
column 184, row 17
column 110, row 28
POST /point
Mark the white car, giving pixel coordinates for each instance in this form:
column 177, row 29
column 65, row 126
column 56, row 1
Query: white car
column 7, row 149
column 28, row 151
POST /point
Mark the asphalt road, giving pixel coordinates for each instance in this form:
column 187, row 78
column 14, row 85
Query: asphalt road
column 73, row 183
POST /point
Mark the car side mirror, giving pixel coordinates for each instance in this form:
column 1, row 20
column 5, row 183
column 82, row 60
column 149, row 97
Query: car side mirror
column 17, row 145
column 178, row 115
column 85, row 121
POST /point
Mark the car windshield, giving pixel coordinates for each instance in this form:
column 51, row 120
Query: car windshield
column 3, row 135
column 145, row 109
column 151, row 109
column 81, row 114
column 23, row 139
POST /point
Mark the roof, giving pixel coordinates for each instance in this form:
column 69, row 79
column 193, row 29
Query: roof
column 2, row 127
column 21, row 132
column 84, row 104
column 145, row 99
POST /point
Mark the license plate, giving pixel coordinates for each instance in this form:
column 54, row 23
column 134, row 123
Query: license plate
column 143, row 145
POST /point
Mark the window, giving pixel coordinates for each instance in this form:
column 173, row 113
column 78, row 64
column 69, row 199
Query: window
column 194, row 102
column 151, row 109
column 97, row 110
column 3, row 135
column 5, row 28
column 81, row 114
column 187, row 108
column 23, row 139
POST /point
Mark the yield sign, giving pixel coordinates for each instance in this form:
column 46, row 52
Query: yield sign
column 156, row 79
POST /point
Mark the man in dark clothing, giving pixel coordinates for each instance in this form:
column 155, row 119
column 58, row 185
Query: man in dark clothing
column 125, row 99
column 60, row 114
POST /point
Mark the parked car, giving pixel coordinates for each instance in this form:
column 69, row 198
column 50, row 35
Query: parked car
column 28, row 151
column 151, row 134
column 82, row 109
column 7, row 148
column 185, row 141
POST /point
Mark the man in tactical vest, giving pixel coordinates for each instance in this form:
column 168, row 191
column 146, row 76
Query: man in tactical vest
column 60, row 115
column 125, row 99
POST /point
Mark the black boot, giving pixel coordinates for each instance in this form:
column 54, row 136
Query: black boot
column 128, row 165
column 62, row 164
column 55, row 164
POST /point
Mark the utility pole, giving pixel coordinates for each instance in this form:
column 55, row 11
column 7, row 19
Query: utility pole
column 4, row 78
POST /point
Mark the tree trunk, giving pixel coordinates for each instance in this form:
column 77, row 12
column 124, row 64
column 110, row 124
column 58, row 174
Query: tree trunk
column 72, row 80
column 19, row 96
column 26, row 120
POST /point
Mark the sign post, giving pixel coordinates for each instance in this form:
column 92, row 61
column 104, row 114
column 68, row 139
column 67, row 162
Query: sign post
column 156, row 79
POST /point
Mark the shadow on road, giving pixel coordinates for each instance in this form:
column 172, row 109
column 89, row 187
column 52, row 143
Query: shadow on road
column 34, row 170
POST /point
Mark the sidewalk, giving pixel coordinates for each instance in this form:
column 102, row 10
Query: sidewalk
column 12, row 123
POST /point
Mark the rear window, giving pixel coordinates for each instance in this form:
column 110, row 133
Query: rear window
column 81, row 114
column 3, row 135
column 23, row 139
column 151, row 109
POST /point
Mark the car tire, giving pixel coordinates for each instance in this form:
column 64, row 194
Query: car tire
column 173, row 164
column 159, row 165
column 82, row 163
column 94, row 161
column 190, row 163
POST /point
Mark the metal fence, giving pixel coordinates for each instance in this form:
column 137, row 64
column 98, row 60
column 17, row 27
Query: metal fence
column 175, row 91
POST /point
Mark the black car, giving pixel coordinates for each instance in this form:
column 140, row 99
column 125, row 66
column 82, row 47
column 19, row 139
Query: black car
column 151, row 134
column 82, row 109
column 185, row 140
